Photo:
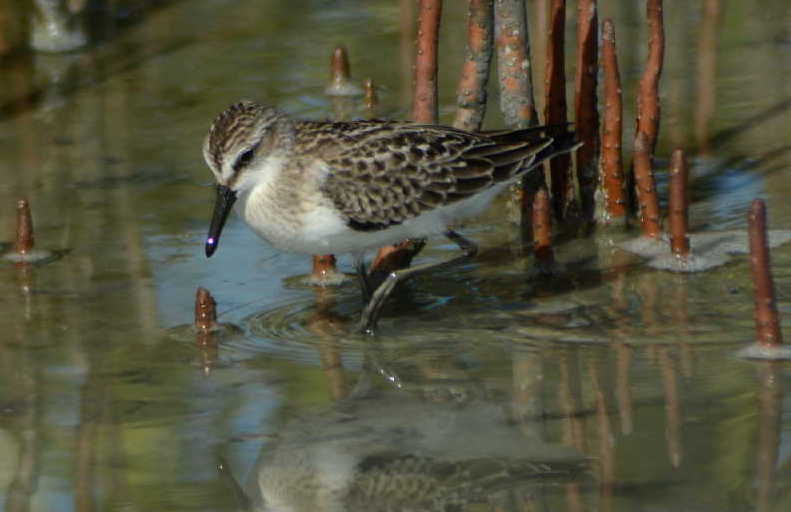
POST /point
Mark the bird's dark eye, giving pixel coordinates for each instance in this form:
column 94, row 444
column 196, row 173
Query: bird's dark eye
column 244, row 159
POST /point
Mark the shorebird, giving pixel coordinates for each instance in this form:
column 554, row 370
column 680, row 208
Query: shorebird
column 321, row 187
column 362, row 454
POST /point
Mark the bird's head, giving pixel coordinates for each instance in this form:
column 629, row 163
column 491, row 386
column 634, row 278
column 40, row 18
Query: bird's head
column 239, row 141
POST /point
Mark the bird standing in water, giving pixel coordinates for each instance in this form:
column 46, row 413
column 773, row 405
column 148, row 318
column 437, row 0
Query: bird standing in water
column 321, row 187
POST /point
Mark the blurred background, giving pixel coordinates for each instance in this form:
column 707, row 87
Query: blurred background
column 108, row 402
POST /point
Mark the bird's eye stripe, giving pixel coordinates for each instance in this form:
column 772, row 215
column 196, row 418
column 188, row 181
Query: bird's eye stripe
column 244, row 158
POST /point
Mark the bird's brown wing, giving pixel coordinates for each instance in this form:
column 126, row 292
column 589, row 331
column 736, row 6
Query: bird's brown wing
column 381, row 176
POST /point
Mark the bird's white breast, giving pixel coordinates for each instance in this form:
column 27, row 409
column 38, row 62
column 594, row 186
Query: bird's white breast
column 288, row 209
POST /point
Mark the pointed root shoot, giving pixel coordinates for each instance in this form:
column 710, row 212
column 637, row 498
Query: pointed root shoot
column 555, row 106
column 424, row 106
column 542, row 229
column 767, row 322
column 678, row 204
column 471, row 92
column 612, row 176
column 205, row 311
column 648, row 109
column 646, row 187
column 585, row 104
column 24, row 228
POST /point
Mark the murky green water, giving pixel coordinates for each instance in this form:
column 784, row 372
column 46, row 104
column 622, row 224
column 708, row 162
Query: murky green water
column 108, row 402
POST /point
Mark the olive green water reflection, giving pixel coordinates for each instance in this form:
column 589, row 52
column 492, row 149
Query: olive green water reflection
column 107, row 404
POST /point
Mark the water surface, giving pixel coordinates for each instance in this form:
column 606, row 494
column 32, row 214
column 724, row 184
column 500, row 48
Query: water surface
column 108, row 402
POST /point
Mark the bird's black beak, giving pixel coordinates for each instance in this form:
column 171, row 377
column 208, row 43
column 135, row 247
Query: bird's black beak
column 222, row 207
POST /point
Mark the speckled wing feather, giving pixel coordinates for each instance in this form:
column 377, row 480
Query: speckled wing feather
column 398, row 482
column 382, row 174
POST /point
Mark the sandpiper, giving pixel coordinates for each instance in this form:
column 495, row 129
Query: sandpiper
column 390, row 451
column 321, row 187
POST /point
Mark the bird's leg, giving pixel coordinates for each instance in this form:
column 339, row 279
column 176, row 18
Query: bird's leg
column 362, row 276
column 468, row 246
column 372, row 310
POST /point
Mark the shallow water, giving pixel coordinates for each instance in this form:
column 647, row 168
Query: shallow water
column 109, row 401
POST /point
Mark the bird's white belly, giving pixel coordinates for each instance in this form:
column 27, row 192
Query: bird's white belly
column 289, row 225
column 318, row 229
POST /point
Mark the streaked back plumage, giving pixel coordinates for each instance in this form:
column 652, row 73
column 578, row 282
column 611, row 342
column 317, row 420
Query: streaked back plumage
column 327, row 186
column 388, row 173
